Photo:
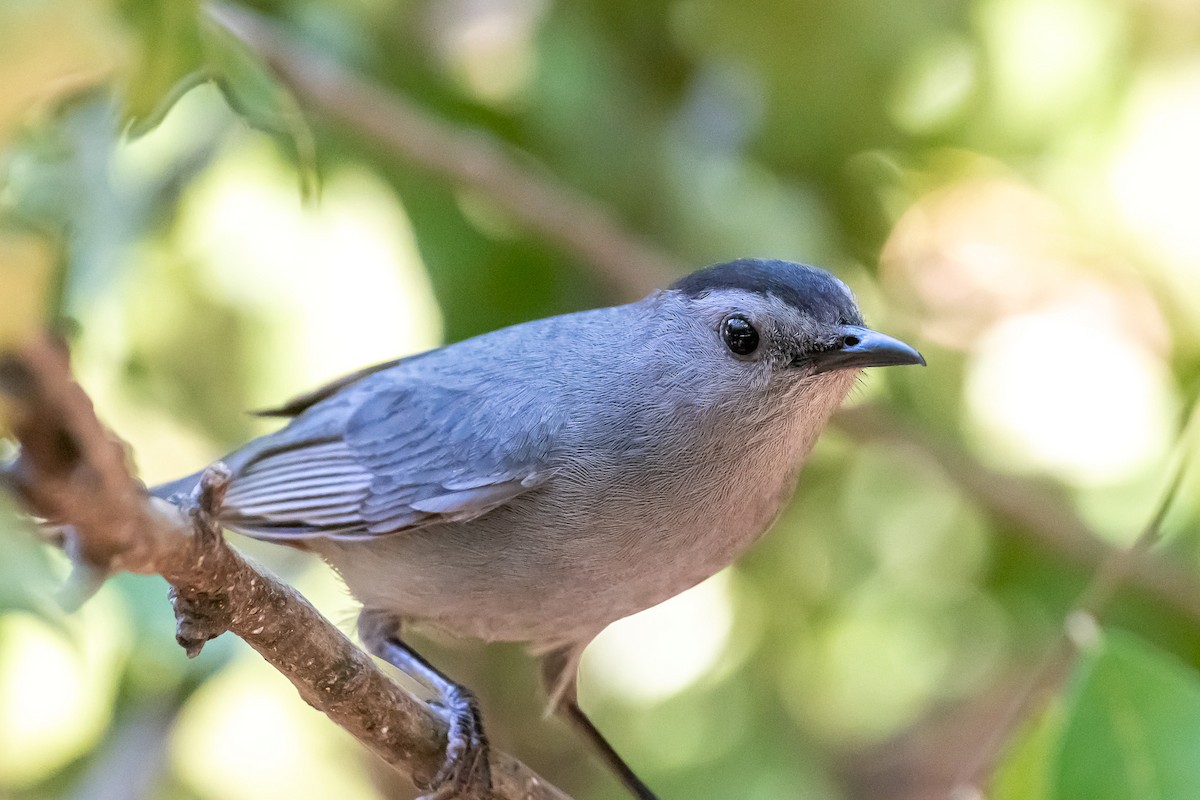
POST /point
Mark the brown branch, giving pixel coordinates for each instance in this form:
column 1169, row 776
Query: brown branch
column 71, row 471
column 582, row 228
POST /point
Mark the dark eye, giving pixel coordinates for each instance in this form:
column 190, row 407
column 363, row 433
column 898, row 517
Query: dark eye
column 739, row 335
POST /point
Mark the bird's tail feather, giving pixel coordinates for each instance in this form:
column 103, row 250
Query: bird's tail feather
column 182, row 486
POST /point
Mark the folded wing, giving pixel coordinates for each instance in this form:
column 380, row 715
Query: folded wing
column 407, row 456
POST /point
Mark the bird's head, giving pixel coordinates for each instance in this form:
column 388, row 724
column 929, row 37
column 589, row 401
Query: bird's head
column 767, row 325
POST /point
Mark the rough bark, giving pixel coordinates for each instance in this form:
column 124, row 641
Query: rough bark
column 75, row 474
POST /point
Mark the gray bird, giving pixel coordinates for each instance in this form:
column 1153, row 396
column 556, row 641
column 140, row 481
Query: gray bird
column 536, row 483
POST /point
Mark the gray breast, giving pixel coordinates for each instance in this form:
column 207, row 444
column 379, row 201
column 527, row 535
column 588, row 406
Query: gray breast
column 626, row 522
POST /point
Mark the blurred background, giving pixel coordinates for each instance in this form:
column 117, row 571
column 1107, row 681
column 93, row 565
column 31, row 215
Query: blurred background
column 1013, row 186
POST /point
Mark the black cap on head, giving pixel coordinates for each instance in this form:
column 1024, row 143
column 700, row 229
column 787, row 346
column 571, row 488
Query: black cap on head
column 810, row 290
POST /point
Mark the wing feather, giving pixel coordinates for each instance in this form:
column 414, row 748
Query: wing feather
column 469, row 501
column 307, row 485
column 407, row 454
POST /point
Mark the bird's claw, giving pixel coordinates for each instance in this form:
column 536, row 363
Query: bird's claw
column 466, row 771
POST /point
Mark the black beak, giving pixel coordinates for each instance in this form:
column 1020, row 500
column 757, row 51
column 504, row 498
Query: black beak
column 863, row 347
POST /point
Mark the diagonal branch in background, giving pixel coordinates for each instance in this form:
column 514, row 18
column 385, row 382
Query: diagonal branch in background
column 73, row 472
column 1040, row 515
column 581, row 227
column 468, row 158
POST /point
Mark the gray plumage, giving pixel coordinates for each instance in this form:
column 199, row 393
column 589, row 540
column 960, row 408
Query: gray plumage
column 539, row 482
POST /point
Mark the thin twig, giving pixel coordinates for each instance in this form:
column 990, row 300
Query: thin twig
column 71, row 471
column 1079, row 631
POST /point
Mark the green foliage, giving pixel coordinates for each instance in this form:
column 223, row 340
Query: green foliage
column 27, row 579
column 1132, row 728
column 184, row 49
column 1128, row 726
column 168, row 59
column 1005, row 182
column 258, row 97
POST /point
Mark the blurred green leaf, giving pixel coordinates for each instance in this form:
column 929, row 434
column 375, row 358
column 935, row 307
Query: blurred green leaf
column 181, row 50
column 49, row 50
column 1129, row 727
column 1133, row 727
column 27, row 578
column 254, row 93
column 1024, row 774
column 169, row 61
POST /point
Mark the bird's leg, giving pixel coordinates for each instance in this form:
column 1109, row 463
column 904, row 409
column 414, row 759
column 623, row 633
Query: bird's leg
column 559, row 678
column 466, row 771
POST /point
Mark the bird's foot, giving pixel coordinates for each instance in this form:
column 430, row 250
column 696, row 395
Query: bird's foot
column 466, row 772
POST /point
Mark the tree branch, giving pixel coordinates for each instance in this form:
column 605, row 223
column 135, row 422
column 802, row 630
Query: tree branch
column 467, row 158
column 72, row 472
column 581, row 227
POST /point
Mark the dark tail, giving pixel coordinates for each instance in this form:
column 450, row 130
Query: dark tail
column 235, row 461
column 180, row 486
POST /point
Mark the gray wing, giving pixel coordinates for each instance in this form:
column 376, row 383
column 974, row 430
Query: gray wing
column 301, row 403
column 404, row 456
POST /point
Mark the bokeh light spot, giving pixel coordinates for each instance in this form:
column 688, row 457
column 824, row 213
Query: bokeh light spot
column 659, row 652
column 1155, row 179
column 244, row 736
column 1065, row 390
column 56, row 688
column 341, row 282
